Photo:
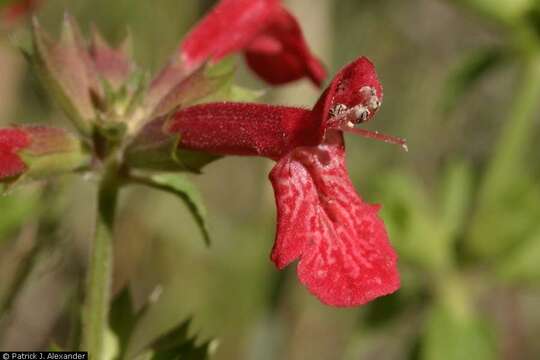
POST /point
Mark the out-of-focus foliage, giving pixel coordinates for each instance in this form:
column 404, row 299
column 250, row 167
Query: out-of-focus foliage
column 462, row 84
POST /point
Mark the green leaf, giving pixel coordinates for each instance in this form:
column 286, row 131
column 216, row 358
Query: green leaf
column 389, row 310
column 235, row 93
column 183, row 188
column 523, row 263
column 467, row 74
column 110, row 347
column 124, row 318
column 16, row 209
column 5, row 2
column 413, row 223
column 176, row 344
column 456, row 197
column 507, row 206
column 500, row 223
column 505, row 11
column 451, row 335
column 55, row 348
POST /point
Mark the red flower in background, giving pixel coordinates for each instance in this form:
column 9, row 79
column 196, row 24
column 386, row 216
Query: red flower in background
column 13, row 12
column 264, row 30
column 345, row 256
column 268, row 35
column 11, row 141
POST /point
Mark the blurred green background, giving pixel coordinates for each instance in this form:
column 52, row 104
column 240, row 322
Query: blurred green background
column 461, row 82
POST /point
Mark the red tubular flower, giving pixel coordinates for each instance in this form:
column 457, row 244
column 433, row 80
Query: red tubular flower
column 345, row 256
column 268, row 34
column 12, row 140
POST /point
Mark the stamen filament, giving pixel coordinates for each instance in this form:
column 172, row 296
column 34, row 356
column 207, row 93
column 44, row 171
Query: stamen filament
column 375, row 135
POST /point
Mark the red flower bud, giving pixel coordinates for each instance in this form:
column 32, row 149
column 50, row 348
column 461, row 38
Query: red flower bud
column 345, row 256
column 38, row 151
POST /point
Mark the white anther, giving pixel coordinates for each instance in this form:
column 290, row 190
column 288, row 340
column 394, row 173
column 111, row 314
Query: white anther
column 361, row 113
column 338, row 109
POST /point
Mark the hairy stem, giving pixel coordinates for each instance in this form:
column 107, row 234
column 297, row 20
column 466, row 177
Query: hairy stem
column 100, row 267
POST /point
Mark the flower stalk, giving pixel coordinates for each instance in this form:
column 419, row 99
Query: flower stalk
column 99, row 281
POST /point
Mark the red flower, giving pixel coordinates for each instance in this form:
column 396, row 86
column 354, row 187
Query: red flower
column 268, row 34
column 12, row 140
column 18, row 9
column 264, row 30
column 345, row 256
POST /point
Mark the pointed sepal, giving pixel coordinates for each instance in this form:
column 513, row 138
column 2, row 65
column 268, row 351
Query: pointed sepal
column 114, row 65
column 67, row 72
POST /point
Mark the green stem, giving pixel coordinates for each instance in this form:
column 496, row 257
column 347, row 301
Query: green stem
column 100, row 267
column 508, row 161
column 517, row 131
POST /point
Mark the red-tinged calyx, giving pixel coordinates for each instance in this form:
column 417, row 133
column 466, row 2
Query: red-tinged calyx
column 345, row 256
column 97, row 86
column 267, row 33
column 11, row 141
column 39, row 151
column 113, row 64
column 67, row 71
column 44, row 140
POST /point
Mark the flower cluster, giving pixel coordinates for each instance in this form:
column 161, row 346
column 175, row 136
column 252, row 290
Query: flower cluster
column 171, row 124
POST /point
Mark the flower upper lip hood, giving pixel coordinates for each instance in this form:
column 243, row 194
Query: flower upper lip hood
column 355, row 90
column 269, row 35
column 345, row 255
